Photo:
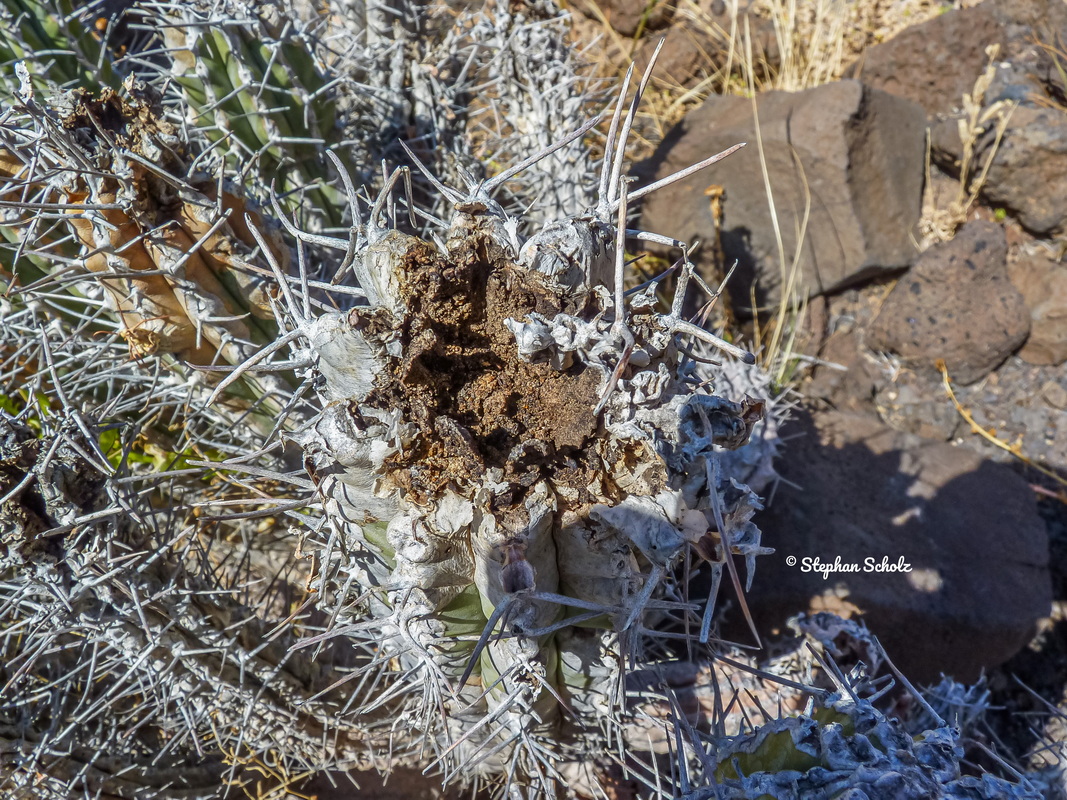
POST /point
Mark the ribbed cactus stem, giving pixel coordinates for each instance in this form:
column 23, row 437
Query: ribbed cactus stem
column 444, row 472
column 505, row 436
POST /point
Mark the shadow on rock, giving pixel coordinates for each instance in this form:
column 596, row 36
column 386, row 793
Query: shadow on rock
column 943, row 553
column 1027, row 687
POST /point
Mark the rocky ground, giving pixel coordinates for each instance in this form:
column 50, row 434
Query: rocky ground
column 918, row 219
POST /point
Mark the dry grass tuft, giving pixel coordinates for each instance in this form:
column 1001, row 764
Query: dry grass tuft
column 798, row 44
column 940, row 220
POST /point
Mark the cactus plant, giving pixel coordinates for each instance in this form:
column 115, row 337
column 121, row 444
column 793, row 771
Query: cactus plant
column 843, row 748
column 469, row 656
column 841, row 743
column 510, row 449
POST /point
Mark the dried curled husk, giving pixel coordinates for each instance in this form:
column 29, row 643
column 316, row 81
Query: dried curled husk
column 177, row 276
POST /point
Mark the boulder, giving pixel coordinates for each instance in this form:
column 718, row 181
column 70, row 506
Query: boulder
column 626, row 16
column 1043, row 285
column 702, row 44
column 684, row 58
column 936, row 62
column 956, row 304
column 845, row 165
column 974, row 548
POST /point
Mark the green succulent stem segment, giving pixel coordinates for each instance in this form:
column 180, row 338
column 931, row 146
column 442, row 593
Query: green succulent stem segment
column 59, row 39
column 260, row 92
column 777, row 751
column 845, row 747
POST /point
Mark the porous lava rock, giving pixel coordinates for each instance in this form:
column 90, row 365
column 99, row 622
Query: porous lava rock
column 692, row 45
column 627, row 16
column 845, row 166
column 956, row 304
column 935, row 62
column 975, row 549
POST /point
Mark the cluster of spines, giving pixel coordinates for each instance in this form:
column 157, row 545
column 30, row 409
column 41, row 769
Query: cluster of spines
column 131, row 666
column 62, row 350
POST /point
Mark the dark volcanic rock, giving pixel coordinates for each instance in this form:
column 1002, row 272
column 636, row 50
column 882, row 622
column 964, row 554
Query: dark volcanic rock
column 956, row 304
column 842, row 158
column 934, row 63
column 968, row 529
column 626, row 16
column 701, row 44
